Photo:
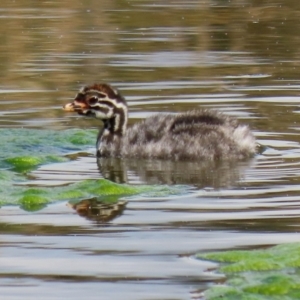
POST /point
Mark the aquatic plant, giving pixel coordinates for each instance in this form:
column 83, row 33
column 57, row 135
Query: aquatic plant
column 266, row 274
column 23, row 150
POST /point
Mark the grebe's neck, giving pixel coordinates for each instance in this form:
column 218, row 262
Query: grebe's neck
column 114, row 128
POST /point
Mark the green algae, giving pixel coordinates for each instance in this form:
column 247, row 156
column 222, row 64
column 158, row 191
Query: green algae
column 103, row 187
column 24, row 162
column 261, row 286
column 23, row 150
column 28, row 163
column 278, row 257
column 95, row 188
column 15, row 192
column 71, row 194
column 33, row 200
column 258, row 274
column 81, row 138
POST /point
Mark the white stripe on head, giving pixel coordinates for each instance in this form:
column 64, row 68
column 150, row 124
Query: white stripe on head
column 100, row 114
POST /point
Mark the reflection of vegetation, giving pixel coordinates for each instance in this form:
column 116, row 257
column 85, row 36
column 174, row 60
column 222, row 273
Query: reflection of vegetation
column 52, row 38
column 259, row 274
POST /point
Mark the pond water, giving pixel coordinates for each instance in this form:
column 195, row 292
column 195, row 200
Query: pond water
column 240, row 57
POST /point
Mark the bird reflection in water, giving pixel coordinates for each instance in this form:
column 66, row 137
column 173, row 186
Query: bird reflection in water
column 203, row 174
column 99, row 211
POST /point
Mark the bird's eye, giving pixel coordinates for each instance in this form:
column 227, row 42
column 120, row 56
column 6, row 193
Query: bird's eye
column 93, row 100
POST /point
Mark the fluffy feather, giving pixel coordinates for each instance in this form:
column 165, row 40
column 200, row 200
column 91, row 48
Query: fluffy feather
column 194, row 135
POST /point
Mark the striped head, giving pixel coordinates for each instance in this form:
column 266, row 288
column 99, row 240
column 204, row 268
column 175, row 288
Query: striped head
column 102, row 102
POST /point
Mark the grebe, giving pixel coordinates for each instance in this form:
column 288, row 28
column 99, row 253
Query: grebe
column 193, row 135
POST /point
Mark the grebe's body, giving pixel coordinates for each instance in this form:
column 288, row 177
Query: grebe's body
column 193, row 135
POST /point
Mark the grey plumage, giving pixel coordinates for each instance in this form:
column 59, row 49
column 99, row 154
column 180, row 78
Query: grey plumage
column 187, row 136
column 193, row 135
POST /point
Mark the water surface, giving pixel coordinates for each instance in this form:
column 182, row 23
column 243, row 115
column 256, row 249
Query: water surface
column 240, row 57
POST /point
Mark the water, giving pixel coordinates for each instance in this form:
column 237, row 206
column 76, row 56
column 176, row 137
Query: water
column 240, row 57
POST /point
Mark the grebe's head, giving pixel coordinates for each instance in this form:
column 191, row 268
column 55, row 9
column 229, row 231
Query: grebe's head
column 98, row 100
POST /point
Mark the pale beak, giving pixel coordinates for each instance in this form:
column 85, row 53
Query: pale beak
column 74, row 106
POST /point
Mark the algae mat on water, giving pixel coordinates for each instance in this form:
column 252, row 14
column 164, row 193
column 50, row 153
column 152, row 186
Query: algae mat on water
column 23, row 150
column 269, row 274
